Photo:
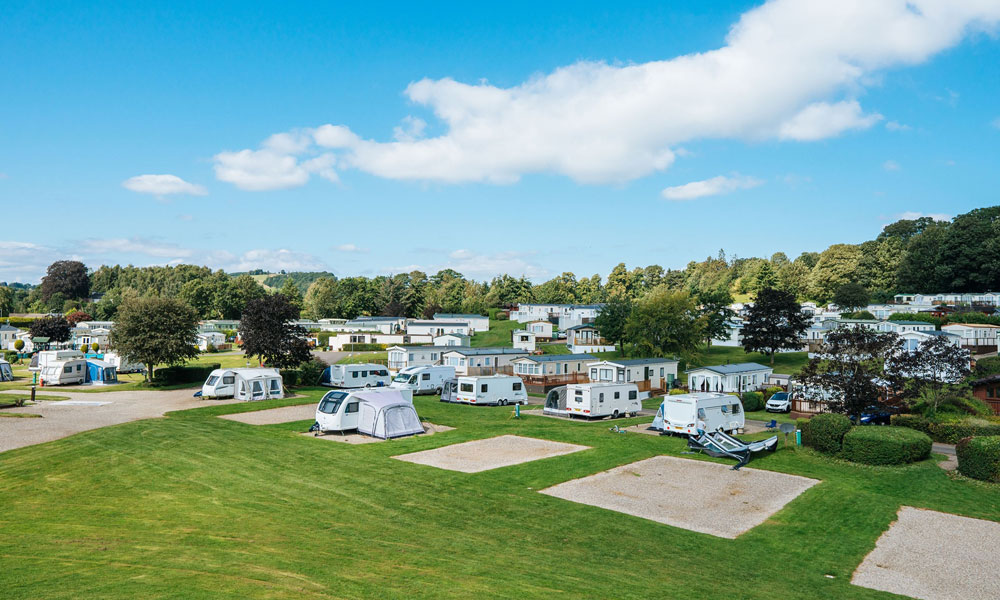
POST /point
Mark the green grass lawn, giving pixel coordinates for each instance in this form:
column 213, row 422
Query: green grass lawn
column 192, row 506
column 497, row 336
column 363, row 357
column 763, row 415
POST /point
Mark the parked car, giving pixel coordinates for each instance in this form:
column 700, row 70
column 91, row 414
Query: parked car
column 779, row 402
column 874, row 415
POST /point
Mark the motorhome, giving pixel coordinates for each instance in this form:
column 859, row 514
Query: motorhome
column 123, row 365
column 101, row 372
column 63, row 372
column 381, row 413
column 362, row 375
column 41, row 359
column 244, row 384
column 6, row 373
column 423, row 380
column 597, row 400
column 492, row 389
column 681, row 414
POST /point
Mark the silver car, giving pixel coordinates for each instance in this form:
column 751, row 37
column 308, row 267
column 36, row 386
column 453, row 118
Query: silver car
column 779, row 402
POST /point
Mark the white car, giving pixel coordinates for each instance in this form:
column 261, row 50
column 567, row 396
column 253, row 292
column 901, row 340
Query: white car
column 779, row 402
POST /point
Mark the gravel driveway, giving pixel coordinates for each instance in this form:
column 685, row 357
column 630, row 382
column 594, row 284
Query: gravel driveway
column 83, row 412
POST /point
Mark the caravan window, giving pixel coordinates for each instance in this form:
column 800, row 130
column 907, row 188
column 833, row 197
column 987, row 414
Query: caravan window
column 618, row 395
column 701, row 414
column 229, row 379
column 354, row 374
column 381, row 372
column 483, row 388
column 212, row 380
column 517, row 386
column 68, row 369
column 633, row 395
column 364, row 373
column 466, row 387
column 736, row 409
column 258, row 389
column 601, row 397
column 352, row 407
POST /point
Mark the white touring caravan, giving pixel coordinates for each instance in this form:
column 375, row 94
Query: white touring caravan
column 123, row 365
column 244, row 384
column 423, row 380
column 63, row 372
column 41, row 359
column 680, row 414
column 492, row 389
column 593, row 400
column 6, row 373
column 380, row 413
column 362, row 375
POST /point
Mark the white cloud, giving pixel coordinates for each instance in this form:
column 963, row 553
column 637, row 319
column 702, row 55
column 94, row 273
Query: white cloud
column 483, row 266
column 789, row 70
column 891, row 165
column 350, row 248
column 162, row 185
column 711, row 187
column 135, row 245
column 913, row 215
column 896, row 126
column 274, row 260
column 260, row 170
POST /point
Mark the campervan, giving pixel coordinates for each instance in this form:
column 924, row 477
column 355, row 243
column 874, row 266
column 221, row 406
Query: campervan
column 680, row 414
column 244, row 384
column 423, row 380
column 381, row 413
column 363, row 375
column 6, row 373
column 602, row 400
column 41, row 359
column 64, row 372
column 492, row 389
column 123, row 365
column 101, row 372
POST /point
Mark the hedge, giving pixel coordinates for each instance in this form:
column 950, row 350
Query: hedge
column 752, row 401
column 826, row 432
column 308, row 373
column 289, row 377
column 950, row 432
column 979, row 457
column 10, row 355
column 362, row 347
column 918, row 422
column 183, row 374
column 874, row 445
column 771, row 391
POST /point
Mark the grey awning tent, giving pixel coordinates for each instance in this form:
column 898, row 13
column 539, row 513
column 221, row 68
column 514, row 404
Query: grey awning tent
column 387, row 414
column 6, row 373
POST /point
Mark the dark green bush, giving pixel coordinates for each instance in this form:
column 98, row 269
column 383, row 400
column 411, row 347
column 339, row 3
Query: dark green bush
column 988, row 366
column 826, row 432
column 874, row 445
column 771, row 391
column 951, row 431
column 979, row 457
column 10, row 355
column 918, row 422
column 310, row 372
column 183, row 374
column 752, row 401
column 289, row 377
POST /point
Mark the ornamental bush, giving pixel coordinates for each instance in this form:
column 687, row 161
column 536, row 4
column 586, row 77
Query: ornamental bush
column 826, row 432
column 979, row 457
column 771, row 391
column 951, row 431
column 873, row 445
column 183, row 374
column 918, row 422
column 752, row 401
column 676, row 392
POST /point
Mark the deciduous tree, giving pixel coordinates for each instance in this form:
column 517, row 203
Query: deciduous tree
column 54, row 328
column 613, row 319
column 66, row 277
column 268, row 333
column 155, row 331
column 666, row 322
column 775, row 322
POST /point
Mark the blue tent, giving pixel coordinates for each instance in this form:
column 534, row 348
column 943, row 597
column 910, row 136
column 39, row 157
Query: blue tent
column 99, row 371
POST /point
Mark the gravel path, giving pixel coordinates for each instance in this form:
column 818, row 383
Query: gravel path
column 934, row 556
column 83, row 412
column 490, row 453
column 696, row 495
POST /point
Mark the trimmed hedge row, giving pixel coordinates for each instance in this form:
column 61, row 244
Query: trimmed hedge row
column 873, row 445
column 825, row 432
column 979, row 457
column 363, row 347
column 752, row 401
column 183, row 374
column 949, row 431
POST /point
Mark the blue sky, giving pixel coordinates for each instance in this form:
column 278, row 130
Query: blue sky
column 535, row 138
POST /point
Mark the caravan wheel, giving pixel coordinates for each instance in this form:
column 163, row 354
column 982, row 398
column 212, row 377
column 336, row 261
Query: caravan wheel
column 614, row 415
column 368, row 386
column 501, row 402
column 438, row 391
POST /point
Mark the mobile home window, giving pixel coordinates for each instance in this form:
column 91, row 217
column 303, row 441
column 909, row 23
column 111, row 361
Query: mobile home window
column 465, row 387
column 483, row 387
column 661, row 371
column 68, row 369
column 411, row 357
column 618, row 395
column 517, row 386
column 600, row 397
column 633, row 395
column 434, row 356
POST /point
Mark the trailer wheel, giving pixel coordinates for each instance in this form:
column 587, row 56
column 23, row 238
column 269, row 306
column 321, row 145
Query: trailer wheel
column 614, row 415
column 368, row 386
column 437, row 391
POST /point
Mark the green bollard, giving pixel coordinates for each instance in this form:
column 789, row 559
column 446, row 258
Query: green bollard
column 517, row 411
column 798, row 437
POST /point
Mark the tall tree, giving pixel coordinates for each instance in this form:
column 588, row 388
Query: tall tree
column 851, row 297
column 666, row 322
column 78, row 316
column 268, row 333
column 53, row 327
column 836, row 266
column 66, row 277
column 775, row 322
column 613, row 319
column 715, row 309
column 849, row 374
column 155, row 331
column 321, row 298
column 928, row 368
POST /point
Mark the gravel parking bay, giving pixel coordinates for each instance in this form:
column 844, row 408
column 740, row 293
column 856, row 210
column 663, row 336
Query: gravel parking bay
column 701, row 496
column 490, row 453
column 934, row 556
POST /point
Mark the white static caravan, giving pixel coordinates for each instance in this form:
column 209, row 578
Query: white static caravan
column 6, row 373
column 123, row 365
column 594, row 400
column 499, row 390
column 423, row 380
column 361, row 375
column 384, row 414
column 523, row 339
column 435, row 328
column 244, row 384
column 476, row 322
column 680, row 414
column 64, row 372
column 401, row 357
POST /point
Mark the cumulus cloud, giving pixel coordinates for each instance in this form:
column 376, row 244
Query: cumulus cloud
column 134, row 245
column 789, row 70
column 350, row 248
column 273, row 260
column 162, row 185
column 891, row 165
column 483, row 266
column 896, row 126
column 715, row 186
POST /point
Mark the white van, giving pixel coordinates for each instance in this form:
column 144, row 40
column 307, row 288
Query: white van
column 378, row 412
column 602, row 400
column 244, row 384
column 362, row 375
column 680, row 414
column 492, row 389
column 423, row 380
column 63, row 372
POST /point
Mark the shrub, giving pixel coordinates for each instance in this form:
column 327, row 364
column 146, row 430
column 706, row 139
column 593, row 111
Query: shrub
column 988, row 366
column 18, row 345
column 290, row 377
column 95, row 346
column 10, row 355
column 502, row 316
column 771, row 391
column 826, row 432
column 676, row 392
column 918, row 422
column 885, row 445
column 951, row 431
column 752, row 401
column 979, row 457
column 183, row 374
column 363, row 347
column 310, row 372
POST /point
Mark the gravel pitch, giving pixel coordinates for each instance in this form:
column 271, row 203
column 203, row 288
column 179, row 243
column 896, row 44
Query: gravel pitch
column 274, row 416
column 83, row 412
column 934, row 556
column 701, row 496
column 491, row 453
column 357, row 438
